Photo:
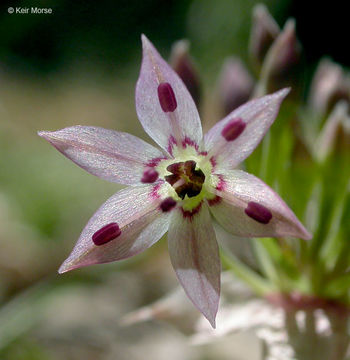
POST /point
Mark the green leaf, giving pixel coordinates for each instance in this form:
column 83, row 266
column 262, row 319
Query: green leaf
column 339, row 286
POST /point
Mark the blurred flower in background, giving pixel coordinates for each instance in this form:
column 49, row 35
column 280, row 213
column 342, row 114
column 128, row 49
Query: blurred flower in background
column 79, row 65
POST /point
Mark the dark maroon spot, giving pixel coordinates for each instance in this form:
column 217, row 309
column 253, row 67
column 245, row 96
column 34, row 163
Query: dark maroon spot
column 233, row 129
column 106, row 234
column 149, row 176
column 167, row 204
column 166, row 97
column 258, row 212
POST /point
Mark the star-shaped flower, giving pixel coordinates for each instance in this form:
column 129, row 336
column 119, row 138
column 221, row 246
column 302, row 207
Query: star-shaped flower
column 180, row 187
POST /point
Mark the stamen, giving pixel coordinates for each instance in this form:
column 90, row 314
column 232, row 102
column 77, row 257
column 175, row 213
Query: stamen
column 196, row 176
column 185, row 179
column 189, row 167
column 194, row 190
column 167, row 204
column 106, row 234
column 233, row 129
column 149, row 176
column 180, row 182
column 166, row 97
column 182, row 191
column 258, row 212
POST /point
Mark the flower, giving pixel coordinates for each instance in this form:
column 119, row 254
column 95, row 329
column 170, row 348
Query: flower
column 330, row 84
column 179, row 188
column 184, row 66
column 280, row 66
column 263, row 33
column 235, row 85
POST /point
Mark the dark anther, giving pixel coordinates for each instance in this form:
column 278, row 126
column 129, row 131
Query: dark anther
column 171, row 179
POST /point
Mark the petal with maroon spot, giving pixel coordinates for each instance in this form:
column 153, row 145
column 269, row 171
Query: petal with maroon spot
column 164, row 106
column 230, row 142
column 250, row 208
column 139, row 219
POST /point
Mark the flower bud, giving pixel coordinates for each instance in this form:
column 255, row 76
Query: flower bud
column 281, row 62
column 335, row 133
column 329, row 85
column 182, row 63
column 235, row 85
column 263, row 33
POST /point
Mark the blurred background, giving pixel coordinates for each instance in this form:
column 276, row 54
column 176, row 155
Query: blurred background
column 79, row 65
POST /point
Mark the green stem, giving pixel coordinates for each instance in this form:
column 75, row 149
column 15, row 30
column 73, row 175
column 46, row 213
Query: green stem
column 250, row 277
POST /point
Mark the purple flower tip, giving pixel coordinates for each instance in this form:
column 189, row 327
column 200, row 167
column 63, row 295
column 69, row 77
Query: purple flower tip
column 149, row 176
column 166, row 97
column 258, row 212
column 233, row 129
column 167, row 204
column 106, row 234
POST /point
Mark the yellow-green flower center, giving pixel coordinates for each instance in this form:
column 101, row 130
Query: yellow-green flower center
column 188, row 177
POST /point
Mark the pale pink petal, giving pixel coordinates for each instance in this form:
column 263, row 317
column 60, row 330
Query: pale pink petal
column 195, row 257
column 234, row 138
column 181, row 123
column 140, row 221
column 111, row 155
column 248, row 207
